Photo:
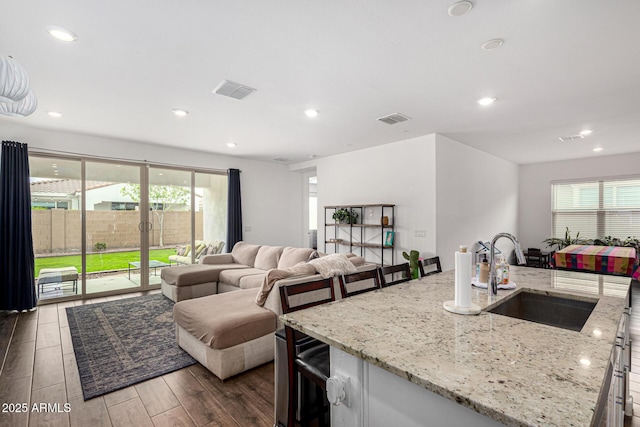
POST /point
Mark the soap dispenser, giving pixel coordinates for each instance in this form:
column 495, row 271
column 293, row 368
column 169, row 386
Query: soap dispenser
column 484, row 270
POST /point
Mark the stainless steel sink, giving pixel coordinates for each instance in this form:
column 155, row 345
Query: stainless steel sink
column 549, row 310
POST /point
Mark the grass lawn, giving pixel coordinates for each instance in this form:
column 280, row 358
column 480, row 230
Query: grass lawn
column 103, row 261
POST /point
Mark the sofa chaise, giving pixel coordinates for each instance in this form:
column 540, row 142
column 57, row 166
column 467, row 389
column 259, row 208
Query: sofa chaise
column 233, row 331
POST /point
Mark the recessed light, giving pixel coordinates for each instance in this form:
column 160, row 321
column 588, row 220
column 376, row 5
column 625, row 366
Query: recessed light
column 231, row 144
column 585, row 362
column 586, row 132
column 54, row 165
column 54, row 114
column 312, row 156
column 311, row 113
column 486, row 101
column 597, row 149
column 597, row 333
column 180, row 113
column 61, row 33
column 460, row 8
column 492, row 44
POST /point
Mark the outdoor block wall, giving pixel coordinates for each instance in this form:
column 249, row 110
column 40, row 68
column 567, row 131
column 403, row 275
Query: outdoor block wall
column 59, row 231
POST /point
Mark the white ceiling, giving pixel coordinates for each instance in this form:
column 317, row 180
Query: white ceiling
column 565, row 66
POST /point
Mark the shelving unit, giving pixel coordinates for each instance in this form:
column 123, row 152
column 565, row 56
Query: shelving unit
column 362, row 235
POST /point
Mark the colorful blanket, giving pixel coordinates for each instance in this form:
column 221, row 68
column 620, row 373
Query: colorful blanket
column 599, row 259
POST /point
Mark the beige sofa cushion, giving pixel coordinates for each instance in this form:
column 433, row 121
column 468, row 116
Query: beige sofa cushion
column 194, row 274
column 245, row 253
column 292, row 256
column 232, row 277
column 224, row 320
column 253, row 281
column 267, row 257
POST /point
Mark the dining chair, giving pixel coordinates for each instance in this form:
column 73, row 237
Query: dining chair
column 358, row 283
column 429, row 266
column 390, row 270
column 534, row 258
column 312, row 360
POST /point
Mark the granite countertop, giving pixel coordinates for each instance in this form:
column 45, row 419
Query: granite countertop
column 517, row 372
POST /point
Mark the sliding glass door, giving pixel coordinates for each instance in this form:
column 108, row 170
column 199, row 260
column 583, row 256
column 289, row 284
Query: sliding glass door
column 104, row 227
column 115, row 224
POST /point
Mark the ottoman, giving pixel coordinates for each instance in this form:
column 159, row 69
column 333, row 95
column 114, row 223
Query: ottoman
column 49, row 276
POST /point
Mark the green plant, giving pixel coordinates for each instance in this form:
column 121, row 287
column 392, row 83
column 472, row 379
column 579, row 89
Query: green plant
column 630, row 242
column 100, row 246
column 412, row 257
column 346, row 216
column 566, row 241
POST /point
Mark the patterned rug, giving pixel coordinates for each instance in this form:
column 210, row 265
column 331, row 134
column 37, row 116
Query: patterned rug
column 124, row 342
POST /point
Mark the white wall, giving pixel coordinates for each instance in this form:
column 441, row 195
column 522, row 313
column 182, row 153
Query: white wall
column 477, row 197
column 401, row 173
column 270, row 192
column 535, row 188
column 435, row 184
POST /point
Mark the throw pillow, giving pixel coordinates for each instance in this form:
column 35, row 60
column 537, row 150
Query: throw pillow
column 187, row 250
column 180, row 250
column 200, row 248
column 202, row 253
column 333, row 265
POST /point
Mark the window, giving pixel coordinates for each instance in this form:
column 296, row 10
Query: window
column 597, row 208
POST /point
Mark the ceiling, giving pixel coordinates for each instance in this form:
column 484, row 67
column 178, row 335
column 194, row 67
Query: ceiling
column 564, row 67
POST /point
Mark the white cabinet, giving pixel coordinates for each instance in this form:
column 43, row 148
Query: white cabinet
column 618, row 397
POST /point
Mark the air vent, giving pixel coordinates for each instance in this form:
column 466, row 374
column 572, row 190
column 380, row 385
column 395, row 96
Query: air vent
column 281, row 159
column 233, row 90
column 394, row 118
column 570, row 138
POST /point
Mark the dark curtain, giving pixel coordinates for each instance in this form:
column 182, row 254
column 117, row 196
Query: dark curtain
column 17, row 286
column 234, row 210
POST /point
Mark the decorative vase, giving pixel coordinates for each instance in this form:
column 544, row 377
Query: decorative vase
column 385, row 220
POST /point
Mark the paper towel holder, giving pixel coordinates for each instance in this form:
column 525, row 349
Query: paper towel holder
column 453, row 308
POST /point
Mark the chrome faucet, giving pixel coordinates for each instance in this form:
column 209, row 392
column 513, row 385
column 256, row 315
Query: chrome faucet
column 492, row 287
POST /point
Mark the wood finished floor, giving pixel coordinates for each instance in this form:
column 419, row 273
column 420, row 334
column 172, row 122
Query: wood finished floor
column 38, row 365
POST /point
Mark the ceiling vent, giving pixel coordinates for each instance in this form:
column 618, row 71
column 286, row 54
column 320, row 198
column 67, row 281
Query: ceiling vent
column 233, row 90
column 394, row 118
column 281, row 159
column 570, row 138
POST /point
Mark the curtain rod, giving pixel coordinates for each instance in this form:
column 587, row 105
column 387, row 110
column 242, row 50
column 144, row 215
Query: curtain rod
column 40, row 150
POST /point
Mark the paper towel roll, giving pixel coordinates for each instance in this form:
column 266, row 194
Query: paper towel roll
column 463, row 279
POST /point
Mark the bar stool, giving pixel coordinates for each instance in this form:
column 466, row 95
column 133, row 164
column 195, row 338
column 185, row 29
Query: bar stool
column 363, row 281
column 426, row 266
column 312, row 363
column 390, row 270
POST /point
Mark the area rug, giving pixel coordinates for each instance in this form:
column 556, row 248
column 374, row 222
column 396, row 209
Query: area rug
column 124, row 342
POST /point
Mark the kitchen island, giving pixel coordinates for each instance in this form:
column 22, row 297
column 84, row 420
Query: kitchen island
column 407, row 361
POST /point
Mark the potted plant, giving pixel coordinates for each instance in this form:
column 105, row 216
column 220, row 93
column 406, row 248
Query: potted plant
column 100, row 246
column 566, row 241
column 413, row 257
column 345, row 216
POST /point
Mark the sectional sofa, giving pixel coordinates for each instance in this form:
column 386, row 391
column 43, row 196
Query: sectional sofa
column 232, row 329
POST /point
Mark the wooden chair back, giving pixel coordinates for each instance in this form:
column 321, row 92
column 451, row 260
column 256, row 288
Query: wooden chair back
column 429, row 266
column 360, row 282
column 292, row 299
column 390, row 270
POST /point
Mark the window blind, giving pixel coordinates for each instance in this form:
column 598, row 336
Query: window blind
column 597, row 208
